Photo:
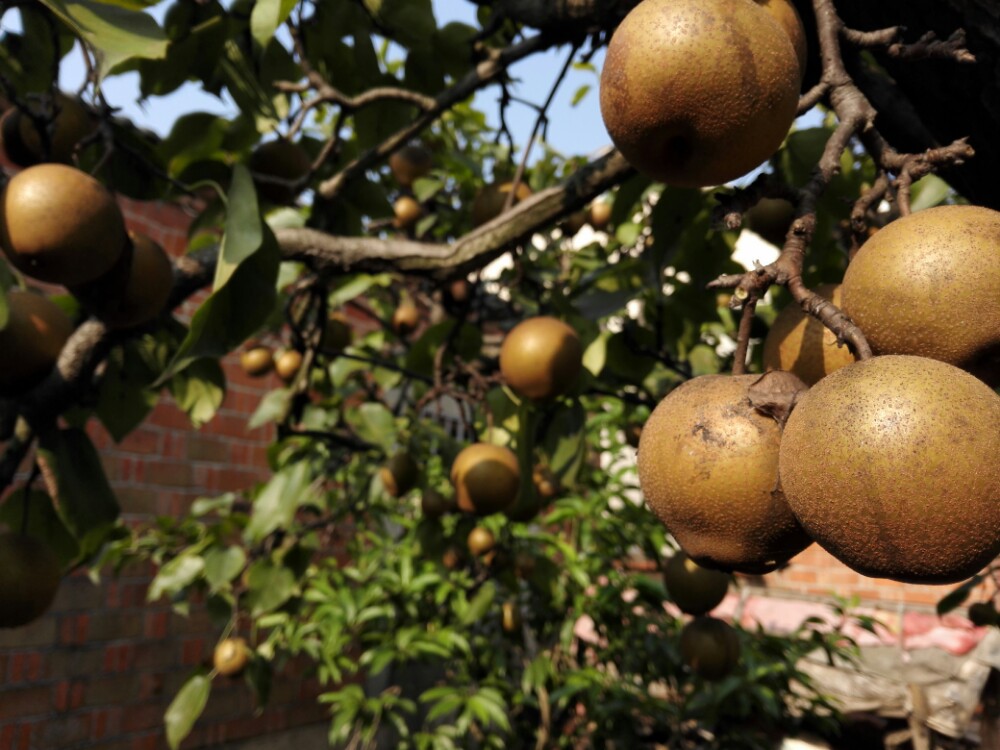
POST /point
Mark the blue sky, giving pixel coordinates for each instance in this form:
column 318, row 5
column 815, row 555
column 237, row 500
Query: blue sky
column 572, row 130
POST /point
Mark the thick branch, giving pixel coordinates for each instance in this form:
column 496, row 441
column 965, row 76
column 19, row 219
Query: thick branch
column 324, row 251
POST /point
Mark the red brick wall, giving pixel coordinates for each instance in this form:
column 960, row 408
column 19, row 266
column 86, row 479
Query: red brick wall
column 814, row 572
column 100, row 669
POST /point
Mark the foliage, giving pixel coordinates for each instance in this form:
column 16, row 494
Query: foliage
column 404, row 629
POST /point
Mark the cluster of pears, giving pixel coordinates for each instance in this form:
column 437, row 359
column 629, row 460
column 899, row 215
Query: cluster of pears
column 699, row 92
column 258, row 359
column 540, row 359
column 888, row 463
column 61, row 226
column 708, row 645
column 408, row 165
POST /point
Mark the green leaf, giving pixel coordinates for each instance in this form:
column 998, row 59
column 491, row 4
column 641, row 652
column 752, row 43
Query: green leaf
column 596, row 354
column 124, row 398
column 200, row 390
column 118, row 34
column 185, row 708
column 275, row 506
column 176, row 575
column 580, row 93
column 244, row 229
column 269, row 586
column 565, row 442
column 479, row 605
column 245, row 293
column 223, row 565
column 355, row 286
column 927, row 192
column 374, row 423
column 267, row 16
column 80, row 491
column 274, row 407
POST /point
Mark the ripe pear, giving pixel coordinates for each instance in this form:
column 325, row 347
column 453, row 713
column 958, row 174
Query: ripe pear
column 710, row 647
column 481, row 541
column 36, row 331
column 407, row 211
column 231, row 656
column 600, row 214
column 708, row 467
column 926, row 285
column 699, row 92
column 135, row 290
column 287, row 364
column 30, row 574
column 283, row 160
column 891, row 465
column 541, row 357
column 338, row 333
column 783, row 11
column 400, row 474
column 486, row 478
column 410, row 163
column 510, row 618
column 434, row 505
column 257, row 361
column 23, row 143
column 799, row 343
column 59, row 224
column 694, row 589
column 406, row 317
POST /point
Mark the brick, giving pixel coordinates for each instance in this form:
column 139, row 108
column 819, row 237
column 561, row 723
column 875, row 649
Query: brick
column 73, row 629
column 146, row 742
column 26, row 702
column 67, row 663
column 76, row 592
column 111, row 691
column 193, row 651
column 144, row 440
column 169, row 474
column 138, row 500
column 39, row 633
column 24, row 667
column 106, row 722
column 68, row 696
column 153, row 657
column 155, row 624
column 66, row 731
column 207, row 448
column 109, row 625
column 145, row 716
column 118, row 658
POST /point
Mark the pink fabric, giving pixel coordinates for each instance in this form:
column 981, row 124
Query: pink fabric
column 951, row 633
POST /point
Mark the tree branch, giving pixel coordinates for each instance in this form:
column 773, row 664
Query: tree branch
column 324, row 251
column 856, row 117
column 485, row 73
